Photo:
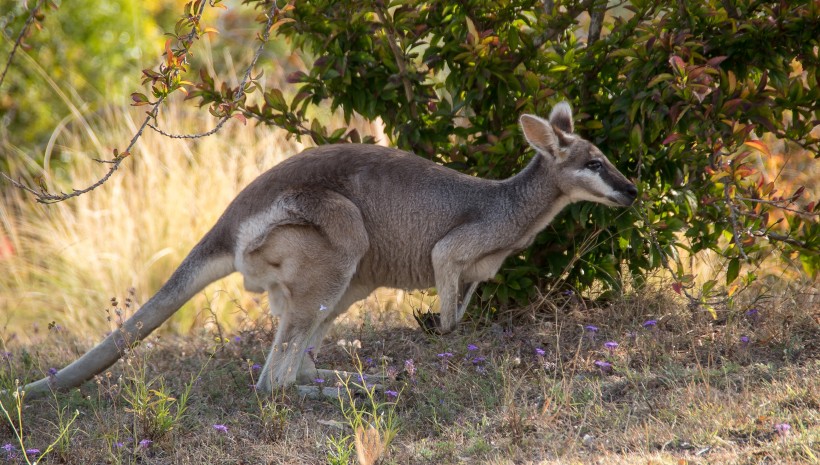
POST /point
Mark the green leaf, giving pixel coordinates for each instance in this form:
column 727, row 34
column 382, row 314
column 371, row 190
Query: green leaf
column 733, row 270
column 658, row 79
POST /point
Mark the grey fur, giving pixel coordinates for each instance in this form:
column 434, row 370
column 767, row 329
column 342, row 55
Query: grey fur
column 323, row 229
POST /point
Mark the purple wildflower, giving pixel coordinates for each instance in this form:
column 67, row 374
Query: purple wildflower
column 368, row 361
column 783, row 429
column 9, row 447
column 146, row 443
column 590, row 332
column 472, row 347
column 6, row 355
column 52, row 371
column 410, row 367
column 256, row 367
column 32, row 452
column 445, row 355
column 540, row 352
column 611, row 345
column 237, row 339
column 752, row 314
column 568, row 292
column 118, row 445
column 319, row 380
column 478, row 360
column 605, row 367
column 391, row 394
column 744, row 340
column 221, row 428
column 649, row 324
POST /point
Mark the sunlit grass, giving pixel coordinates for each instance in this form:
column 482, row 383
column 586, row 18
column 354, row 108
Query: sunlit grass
column 69, row 259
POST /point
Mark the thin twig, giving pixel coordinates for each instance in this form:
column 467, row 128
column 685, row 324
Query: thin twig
column 400, row 62
column 780, row 238
column 733, row 218
column 43, row 196
column 597, row 12
column 776, row 204
column 240, row 93
column 19, row 40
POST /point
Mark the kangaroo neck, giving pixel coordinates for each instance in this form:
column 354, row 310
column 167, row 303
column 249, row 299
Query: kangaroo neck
column 533, row 195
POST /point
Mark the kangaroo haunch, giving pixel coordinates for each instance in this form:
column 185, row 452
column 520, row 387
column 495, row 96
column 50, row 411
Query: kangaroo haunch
column 325, row 228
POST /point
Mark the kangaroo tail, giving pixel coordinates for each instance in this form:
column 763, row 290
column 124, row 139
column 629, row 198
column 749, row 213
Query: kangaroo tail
column 205, row 264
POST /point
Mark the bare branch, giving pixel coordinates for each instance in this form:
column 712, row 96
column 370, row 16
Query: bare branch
column 780, row 238
column 400, row 60
column 548, row 6
column 19, row 40
column 241, row 91
column 777, row 204
column 43, row 196
column 597, row 11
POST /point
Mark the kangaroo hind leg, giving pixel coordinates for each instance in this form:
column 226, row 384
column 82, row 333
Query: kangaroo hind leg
column 310, row 269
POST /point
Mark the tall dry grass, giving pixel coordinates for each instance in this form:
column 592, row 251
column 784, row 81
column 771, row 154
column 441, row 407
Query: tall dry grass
column 64, row 262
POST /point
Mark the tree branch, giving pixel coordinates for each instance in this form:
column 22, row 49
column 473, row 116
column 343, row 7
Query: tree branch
column 776, row 204
column 19, row 40
column 43, row 196
column 397, row 53
column 240, row 92
column 733, row 217
column 597, row 11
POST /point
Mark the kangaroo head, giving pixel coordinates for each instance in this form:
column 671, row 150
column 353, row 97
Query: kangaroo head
column 577, row 167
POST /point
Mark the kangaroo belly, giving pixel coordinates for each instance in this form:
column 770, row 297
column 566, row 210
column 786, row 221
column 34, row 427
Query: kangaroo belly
column 393, row 265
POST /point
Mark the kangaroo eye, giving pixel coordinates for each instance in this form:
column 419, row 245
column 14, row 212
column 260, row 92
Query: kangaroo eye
column 593, row 165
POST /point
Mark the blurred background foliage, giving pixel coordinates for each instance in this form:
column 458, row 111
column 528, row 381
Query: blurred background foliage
column 81, row 56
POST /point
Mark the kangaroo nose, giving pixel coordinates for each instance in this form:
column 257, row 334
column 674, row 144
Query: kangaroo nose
column 632, row 190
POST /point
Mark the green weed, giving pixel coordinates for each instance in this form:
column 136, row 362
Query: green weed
column 64, row 424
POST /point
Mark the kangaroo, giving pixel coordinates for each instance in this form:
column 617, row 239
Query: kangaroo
column 323, row 229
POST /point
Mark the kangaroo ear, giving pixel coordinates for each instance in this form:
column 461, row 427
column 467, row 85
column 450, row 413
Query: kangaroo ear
column 561, row 117
column 539, row 134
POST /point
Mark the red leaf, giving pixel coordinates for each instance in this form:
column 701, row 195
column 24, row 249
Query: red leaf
column 677, row 287
column 168, row 54
column 758, row 145
column 671, row 138
column 295, row 77
column 714, row 62
column 677, row 63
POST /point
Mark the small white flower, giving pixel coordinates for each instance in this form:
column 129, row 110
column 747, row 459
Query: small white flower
column 322, row 308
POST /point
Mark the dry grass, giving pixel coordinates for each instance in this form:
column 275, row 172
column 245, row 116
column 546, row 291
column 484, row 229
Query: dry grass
column 683, row 391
